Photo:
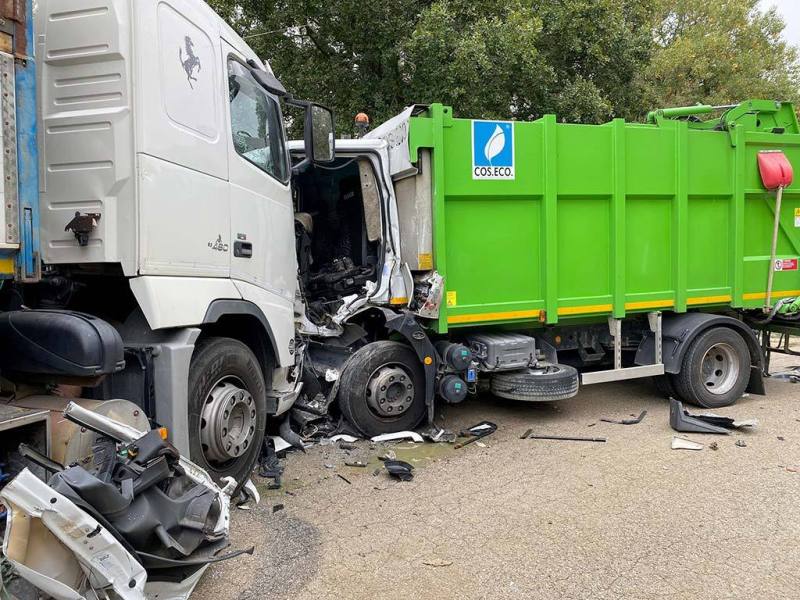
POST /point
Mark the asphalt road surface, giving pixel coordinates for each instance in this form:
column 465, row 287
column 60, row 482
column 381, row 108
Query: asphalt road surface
column 630, row 518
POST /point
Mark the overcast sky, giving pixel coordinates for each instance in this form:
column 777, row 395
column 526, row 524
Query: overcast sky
column 790, row 9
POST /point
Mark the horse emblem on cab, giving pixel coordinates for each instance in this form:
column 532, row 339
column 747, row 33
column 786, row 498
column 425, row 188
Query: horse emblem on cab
column 191, row 62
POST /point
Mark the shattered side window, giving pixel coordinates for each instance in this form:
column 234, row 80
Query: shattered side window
column 256, row 123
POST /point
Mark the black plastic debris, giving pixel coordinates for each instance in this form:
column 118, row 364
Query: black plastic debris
column 399, row 469
column 681, row 420
column 626, row 421
column 277, row 507
column 269, row 465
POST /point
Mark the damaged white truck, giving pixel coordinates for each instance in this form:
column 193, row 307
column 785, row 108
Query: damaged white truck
column 188, row 263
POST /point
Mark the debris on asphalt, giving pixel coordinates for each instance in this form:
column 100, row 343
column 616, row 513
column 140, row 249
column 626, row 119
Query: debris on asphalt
column 399, row 469
column 398, row 435
column 355, row 463
column 269, row 465
column 741, row 443
column 526, row 434
column 388, row 455
column 289, row 435
column 476, row 432
column 679, row 443
column 343, row 478
column 248, row 496
column 279, row 443
column 439, row 434
column 714, row 446
column 342, row 437
column 792, row 374
column 347, row 446
column 781, row 438
column 437, row 562
column 681, row 420
column 565, row 438
column 626, row 421
column 277, row 507
column 329, row 466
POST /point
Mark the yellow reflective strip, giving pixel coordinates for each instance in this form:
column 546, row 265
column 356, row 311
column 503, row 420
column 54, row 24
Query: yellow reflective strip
column 649, row 304
column 7, row 266
column 497, row 316
column 763, row 295
column 709, row 300
column 582, row 310
column 398, row 301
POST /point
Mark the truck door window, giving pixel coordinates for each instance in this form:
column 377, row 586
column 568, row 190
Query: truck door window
column 256, row 123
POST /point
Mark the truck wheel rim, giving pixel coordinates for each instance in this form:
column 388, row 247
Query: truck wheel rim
column 720, row 368
column 390, row 391
column 227, row 422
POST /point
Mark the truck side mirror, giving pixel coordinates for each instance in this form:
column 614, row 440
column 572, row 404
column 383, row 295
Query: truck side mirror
column 320, row 123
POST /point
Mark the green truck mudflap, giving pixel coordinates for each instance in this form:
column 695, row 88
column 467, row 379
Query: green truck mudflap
column 545, row 222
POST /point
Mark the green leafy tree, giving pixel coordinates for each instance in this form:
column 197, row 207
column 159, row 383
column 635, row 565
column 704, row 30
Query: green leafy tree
column 585, row 60
column 719, row 53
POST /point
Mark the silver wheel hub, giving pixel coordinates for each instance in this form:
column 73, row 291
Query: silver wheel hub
column 227, row 424
column 390, row 391
column 720, row 368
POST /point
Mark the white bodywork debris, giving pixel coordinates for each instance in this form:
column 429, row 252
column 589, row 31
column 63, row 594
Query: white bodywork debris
column 399, row 435
column 344, row 438
column 679, row 443
column 42, row 519
column 65, row 552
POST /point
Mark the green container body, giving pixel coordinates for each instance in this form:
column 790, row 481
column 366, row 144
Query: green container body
column 612, row 219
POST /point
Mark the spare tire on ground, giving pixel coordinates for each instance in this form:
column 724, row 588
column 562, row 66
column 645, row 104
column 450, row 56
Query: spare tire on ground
column 543, row 383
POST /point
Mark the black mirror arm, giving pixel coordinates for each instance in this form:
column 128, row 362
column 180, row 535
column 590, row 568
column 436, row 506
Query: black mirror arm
column 308, row 133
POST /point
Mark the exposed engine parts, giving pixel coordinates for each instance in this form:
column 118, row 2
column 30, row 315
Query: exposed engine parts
column 339, row 278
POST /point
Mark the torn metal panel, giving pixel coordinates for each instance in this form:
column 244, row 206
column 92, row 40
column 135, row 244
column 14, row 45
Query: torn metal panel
column 100, row 531
column 100, row 555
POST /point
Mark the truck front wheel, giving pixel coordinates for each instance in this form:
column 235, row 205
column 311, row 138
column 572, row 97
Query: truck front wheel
column 382, row 389
column 227, row 408
column 715, row 369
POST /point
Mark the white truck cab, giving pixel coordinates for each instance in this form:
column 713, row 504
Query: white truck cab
column 166, row 208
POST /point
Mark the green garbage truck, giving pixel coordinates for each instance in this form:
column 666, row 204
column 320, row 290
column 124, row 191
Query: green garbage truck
column 540, row 256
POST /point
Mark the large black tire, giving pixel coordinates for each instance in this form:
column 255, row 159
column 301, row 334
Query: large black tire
column 715, row 370
column 553, row 382
column 229, row 361
column 367, row 365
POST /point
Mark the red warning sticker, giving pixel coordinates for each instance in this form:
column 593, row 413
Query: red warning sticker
column 786, row 264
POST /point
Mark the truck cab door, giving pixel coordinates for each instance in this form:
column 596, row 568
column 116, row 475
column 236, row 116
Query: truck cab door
column 262, row 253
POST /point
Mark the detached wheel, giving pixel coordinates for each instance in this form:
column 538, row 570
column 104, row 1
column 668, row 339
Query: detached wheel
column 715, row 370
column 543, row 383
column 382, row 389
column 227, row 408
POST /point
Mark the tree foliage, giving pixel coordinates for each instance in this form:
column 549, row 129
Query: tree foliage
column 585, row 60
column 718, row 53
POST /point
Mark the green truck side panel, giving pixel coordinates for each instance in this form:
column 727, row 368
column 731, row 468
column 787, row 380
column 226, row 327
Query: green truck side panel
column 609, row 219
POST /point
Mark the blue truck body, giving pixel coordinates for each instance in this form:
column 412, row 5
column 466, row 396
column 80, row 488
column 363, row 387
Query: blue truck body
column 19, row 252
